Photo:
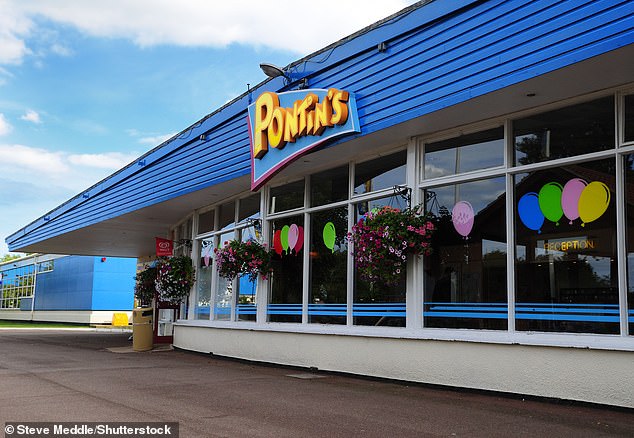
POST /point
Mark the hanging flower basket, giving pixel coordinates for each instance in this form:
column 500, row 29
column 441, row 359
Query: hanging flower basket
column 250, row 258
column 384, row 238
column 175, row 278
column 145, row 286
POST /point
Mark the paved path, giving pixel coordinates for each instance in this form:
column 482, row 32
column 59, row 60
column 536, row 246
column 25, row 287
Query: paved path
column 72, row 376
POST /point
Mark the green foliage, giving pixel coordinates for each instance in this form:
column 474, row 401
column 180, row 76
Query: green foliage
column 249, row 258
column 384, row 238
column 9, row 257
column 175, row 278
column 145, row 287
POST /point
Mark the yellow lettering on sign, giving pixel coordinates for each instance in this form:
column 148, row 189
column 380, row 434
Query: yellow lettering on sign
column 568, row 245
column 277, row 126
column 263, row 114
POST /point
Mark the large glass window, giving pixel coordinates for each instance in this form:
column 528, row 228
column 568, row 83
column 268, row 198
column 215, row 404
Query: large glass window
column 566, row 270
column 203, row 279
column 629, row 118
column 381, row 173
column 286, row 284
column 379, row 304
column 329, row 186
column 17, row 286
column 328, row 266
column 245, row 296
column 566, row 132
column 224, row 287
column 286, row 197
column 629, row 205
column 466, row 153
column 206, row 222
column 465, row 276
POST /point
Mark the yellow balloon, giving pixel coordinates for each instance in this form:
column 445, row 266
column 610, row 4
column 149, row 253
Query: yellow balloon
column 593, row 202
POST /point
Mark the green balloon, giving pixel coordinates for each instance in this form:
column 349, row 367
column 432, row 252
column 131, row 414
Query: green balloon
column 550, row 201
column 284, row 237
column 329, row 236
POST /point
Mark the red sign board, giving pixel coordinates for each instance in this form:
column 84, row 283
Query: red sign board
column 164, row 247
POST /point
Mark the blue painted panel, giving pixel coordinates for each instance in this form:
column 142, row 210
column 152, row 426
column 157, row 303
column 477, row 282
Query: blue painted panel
column 113, row 283
column 439, row 55
column 85, row 283
column 67, row 287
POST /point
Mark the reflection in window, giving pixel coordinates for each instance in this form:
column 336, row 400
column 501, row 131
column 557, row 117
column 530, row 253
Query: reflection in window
column 329, row 186
column 287, row 197
column 465, row 276
column 227, row 217
column 466, row 153
column 285, row 301
column 566, row 271
column 566, row 132
column 46, row 266
column 246, row 303
column 224, row 288
column 629, row 118
column 379, row 304
column 382, row 173
column 203, row 279
column 206, row 222
column 249, row 208
column 328, row 266
column 629, row 196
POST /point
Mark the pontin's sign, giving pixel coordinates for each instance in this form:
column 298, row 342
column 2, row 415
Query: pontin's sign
column 285, row 126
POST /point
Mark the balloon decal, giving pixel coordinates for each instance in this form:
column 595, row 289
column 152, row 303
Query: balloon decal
column 593, row 202
column 462, row 216
column 293, row 235
column 277, row 242
column 530, row 214
column 284, row 237
column 577, row 199
column 550, row 202
column 329, row 235
column 570, row 198
column 290, row 238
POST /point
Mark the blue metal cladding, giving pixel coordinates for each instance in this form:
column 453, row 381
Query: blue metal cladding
column 87, row 283
column 438, row 55
column 113, row 283
column 67, row 287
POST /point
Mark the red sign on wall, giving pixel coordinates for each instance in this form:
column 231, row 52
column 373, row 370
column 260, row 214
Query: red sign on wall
column 164, row 247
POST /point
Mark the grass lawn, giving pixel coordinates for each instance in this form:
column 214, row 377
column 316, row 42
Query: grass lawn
column 4, row 323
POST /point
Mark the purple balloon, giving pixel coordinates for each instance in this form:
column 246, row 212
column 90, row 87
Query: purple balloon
column 462, row 217
column 570, row 198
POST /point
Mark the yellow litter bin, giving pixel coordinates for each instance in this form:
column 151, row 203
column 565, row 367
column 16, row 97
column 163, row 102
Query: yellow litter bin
column 142, row 329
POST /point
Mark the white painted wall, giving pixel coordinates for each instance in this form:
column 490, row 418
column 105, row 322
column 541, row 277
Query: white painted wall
column 598, row 376
column 78, row 316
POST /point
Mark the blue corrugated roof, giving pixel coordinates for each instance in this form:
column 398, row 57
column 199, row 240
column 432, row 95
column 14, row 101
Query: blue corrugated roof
column 438, row 54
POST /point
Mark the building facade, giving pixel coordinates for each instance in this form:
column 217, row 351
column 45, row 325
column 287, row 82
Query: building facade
column 511, row 122
column 76, row 289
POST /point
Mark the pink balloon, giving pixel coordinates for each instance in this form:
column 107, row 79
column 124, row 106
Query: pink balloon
column 293, row 235
column 570, row 198
column 462, row 217
column 300, row 239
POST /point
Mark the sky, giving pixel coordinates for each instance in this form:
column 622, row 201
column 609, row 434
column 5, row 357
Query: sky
column 87, row 87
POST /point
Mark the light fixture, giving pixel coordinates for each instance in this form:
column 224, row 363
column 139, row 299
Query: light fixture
column 272, row 71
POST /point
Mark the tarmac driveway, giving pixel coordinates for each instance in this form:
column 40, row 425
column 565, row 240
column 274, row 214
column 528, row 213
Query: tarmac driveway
column 51, row 375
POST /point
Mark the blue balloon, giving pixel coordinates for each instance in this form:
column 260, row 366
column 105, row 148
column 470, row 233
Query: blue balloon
column 529, row 211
